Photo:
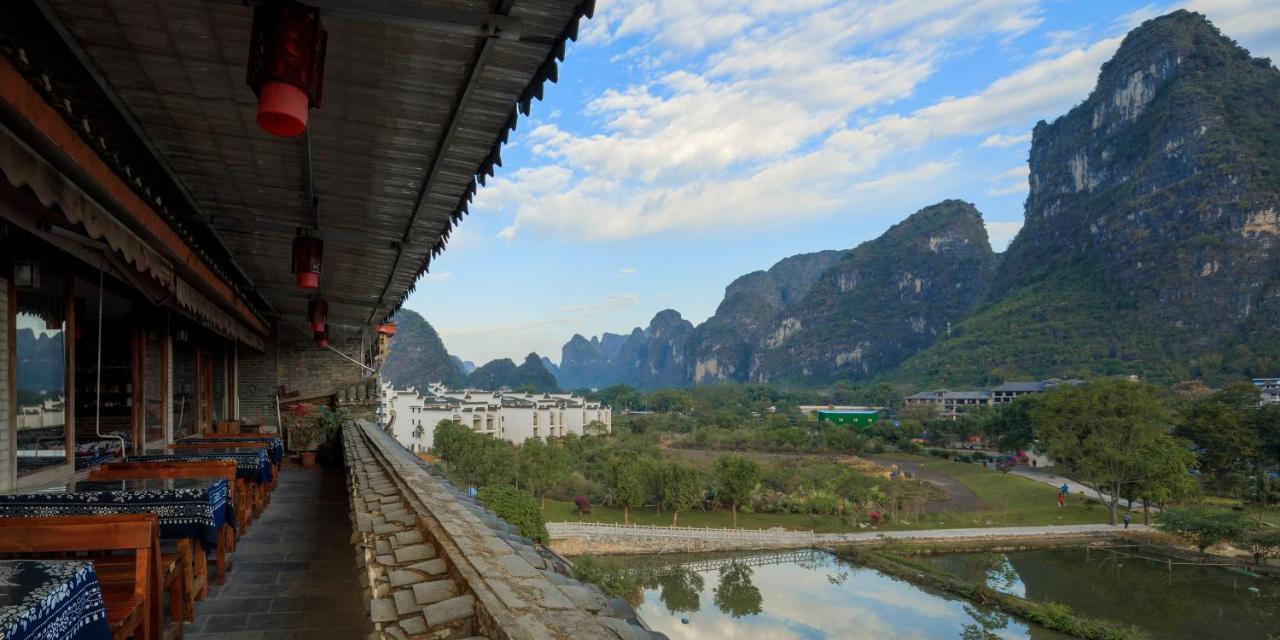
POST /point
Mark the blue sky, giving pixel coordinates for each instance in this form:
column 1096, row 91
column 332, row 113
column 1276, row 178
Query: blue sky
column 689, row 142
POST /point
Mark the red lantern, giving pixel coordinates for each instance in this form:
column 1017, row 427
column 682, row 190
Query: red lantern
column 322, row 338
column 386, row 329
column 317, row 314
column 286, row 65
column 308, row 255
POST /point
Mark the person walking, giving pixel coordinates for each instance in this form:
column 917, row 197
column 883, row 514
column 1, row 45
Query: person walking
column 1126, row 519
column 1064, row 489
column 1062, row 498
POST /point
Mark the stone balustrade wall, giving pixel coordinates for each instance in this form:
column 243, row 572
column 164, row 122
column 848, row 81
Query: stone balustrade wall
column 438, row 565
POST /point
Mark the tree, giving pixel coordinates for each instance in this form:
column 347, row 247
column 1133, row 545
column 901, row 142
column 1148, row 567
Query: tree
column 737, row 595
column 681, row 489
column 628, row 488
column 1219, row 424
column 543, row 467
column 1113, row 432
column 516, row 507
column 1204, row 527
column 738, row 478
column 670, row 401
column 1009, row 426
column 497, row 463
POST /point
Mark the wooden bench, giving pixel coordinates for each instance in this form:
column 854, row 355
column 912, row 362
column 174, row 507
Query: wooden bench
column 211, row 469
column 133, row 600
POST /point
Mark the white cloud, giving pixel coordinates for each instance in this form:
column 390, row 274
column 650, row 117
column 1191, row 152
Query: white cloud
column 775, row 120
column 702, row 152
column 1006, row 139
column 1001, row 233
column 608, row 303
column 627, row 272
column 1010, row 182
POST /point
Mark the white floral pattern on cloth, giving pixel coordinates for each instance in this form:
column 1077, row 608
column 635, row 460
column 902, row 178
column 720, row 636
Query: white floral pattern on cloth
column 251, row 464
column 275, row 446
column 187, row 508
column 51, row 600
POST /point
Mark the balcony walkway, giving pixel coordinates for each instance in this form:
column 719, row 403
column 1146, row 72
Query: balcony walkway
column 294, row 574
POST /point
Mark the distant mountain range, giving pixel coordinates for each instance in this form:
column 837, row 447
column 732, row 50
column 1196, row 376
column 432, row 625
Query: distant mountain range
column 1151, row 246
column 417, row 357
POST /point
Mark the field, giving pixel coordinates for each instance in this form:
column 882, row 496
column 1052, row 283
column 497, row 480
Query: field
column 1004, row 500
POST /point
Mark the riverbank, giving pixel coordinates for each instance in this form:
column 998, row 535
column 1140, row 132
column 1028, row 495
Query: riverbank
column 1050, row 615
column 572, row 539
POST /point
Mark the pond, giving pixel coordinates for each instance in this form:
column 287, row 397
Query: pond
column 806, row 594
column 1131, row 587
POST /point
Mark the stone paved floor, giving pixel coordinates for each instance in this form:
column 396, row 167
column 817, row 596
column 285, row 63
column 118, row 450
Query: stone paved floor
column 294, row 573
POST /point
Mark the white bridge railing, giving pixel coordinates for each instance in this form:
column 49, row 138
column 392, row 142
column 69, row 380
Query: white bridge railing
column 597, row 529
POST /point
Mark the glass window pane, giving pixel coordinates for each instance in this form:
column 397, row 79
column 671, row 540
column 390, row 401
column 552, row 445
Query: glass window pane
column 41, row 352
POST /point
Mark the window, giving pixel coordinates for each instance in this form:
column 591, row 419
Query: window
column 40, row 348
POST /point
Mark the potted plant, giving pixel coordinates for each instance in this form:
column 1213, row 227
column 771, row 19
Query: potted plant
column 329, row 422
column 304, row 432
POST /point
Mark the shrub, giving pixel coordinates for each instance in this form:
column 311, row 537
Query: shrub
column 1263, row 544
column 1204, row 527
column 583, row 503
column 518, row 508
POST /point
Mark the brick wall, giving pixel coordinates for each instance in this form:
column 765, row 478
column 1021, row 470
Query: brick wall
column 293, row 361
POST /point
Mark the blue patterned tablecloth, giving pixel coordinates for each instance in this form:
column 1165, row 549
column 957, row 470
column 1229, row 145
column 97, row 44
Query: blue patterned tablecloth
column 251, row 464
column 51, row 600
column 187, row 507
column 274, row 446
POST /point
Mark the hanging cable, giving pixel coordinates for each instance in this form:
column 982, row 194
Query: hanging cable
column 97, row 400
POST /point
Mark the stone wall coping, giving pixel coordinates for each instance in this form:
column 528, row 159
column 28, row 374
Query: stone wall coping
column 520, row 600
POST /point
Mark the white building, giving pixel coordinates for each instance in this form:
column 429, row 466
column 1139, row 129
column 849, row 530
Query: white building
column 1268, row 389
column 513, row 416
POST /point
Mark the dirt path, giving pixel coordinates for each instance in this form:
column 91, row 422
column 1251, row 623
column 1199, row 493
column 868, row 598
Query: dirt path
column 959, row 497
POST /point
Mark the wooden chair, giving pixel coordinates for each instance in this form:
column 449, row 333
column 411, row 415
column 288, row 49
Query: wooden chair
column 133, row 604
column 211, row 469
column 226, row 427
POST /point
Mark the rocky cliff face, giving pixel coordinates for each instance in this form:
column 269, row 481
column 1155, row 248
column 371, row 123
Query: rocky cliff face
column 647, row 358
column 1152, row 238
column 583, row 366
column 1151, row 247
column 721, row 347
column 417, row 357
column 883, row 301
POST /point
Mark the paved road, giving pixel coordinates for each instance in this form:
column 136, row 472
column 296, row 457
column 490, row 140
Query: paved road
column 1040, row 475
column 977, row 532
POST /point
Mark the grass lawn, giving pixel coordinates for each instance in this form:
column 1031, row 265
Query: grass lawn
column 1011, row 501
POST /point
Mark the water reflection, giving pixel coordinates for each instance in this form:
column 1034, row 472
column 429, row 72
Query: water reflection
column 736, row 595
column 1174, row 601
column 807, row 594
column 679, row 590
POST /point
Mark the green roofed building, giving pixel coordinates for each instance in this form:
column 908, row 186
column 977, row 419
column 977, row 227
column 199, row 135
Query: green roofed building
column 857, row 417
